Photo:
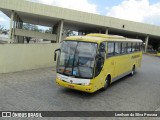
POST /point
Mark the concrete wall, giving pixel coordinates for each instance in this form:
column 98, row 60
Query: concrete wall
column 20, row 57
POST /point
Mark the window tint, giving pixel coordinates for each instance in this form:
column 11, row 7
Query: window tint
column 129, row 48
column 141, row 46
column 100, row 59
column 117, row 48
column 102, row 49
column 110, row 49
column 137, row 47
column 133, row 47
column 124, row 48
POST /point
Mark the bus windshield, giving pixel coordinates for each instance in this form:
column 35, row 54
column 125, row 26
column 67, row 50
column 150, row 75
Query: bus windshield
column 77, row 59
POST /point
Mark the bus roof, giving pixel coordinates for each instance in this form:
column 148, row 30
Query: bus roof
column 98, row 38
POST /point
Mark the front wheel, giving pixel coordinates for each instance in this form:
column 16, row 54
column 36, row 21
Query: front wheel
column 107, row 83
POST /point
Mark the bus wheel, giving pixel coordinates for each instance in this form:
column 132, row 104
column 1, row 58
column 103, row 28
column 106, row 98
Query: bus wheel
column 133, row 70
column 107, row 82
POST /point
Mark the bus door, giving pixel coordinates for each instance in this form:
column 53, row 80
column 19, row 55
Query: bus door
column 99, row 65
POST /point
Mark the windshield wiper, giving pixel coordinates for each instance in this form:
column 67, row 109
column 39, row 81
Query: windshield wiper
column 78, row 67
column 66, row 65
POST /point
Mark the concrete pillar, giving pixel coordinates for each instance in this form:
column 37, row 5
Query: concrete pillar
column 21, row 38
column 20, row 26
column 14, row 38
column 107, row 30
column 16, row 21
column 11, row 25
column 60, row 31
column 146, row 43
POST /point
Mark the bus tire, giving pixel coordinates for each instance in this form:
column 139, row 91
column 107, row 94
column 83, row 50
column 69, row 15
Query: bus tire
column 107, row 82
column 133, row 70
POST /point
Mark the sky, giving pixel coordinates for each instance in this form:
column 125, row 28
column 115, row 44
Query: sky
column 144, row 11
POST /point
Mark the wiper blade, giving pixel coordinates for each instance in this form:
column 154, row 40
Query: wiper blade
column 66, row 65
column 78, row 67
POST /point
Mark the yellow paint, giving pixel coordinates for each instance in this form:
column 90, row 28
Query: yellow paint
column 88, row 88
column 113, row 66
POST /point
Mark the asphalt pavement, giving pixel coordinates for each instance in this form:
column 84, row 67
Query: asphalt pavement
column 36, row 90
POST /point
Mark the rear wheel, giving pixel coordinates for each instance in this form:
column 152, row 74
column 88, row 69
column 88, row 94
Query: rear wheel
column 107, row 83
column 133, row 70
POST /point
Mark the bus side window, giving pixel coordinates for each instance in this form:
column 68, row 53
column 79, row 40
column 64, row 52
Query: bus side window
column 137, row 48
column 100, row 58
column 129, row 48
column 102, row 49
column 124, row 47
column 141, row 46
column 110, row 49
column 133, row 47
column 117, row 48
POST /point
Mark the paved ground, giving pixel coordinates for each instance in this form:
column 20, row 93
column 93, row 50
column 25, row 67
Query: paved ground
column 36, row 90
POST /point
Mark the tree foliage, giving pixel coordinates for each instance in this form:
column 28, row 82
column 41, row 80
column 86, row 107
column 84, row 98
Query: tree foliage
column 49, row 30
column 28, row 26
column 68, row 32
column 3, row 30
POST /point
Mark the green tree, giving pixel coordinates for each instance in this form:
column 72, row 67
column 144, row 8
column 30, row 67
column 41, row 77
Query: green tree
column 49, row 30
column 28, row 26
column 68, row 32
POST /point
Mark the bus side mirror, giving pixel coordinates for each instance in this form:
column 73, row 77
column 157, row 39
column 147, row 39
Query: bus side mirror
column 55, row 54
column 102, row 48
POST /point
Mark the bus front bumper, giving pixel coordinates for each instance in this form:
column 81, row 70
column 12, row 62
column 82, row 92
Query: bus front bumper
column 83, row 88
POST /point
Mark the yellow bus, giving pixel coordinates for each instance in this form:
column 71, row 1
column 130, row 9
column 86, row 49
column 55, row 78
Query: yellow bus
column 92, row 62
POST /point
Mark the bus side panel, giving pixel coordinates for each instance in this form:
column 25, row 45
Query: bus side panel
column 117, row 66
column 126, row 62
column 120, row 65
column 123, row 64
column 129, row 62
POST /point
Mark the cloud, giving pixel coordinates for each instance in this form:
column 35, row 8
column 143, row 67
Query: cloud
column 136, row 10
column 80, row 5
column 2, row 19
